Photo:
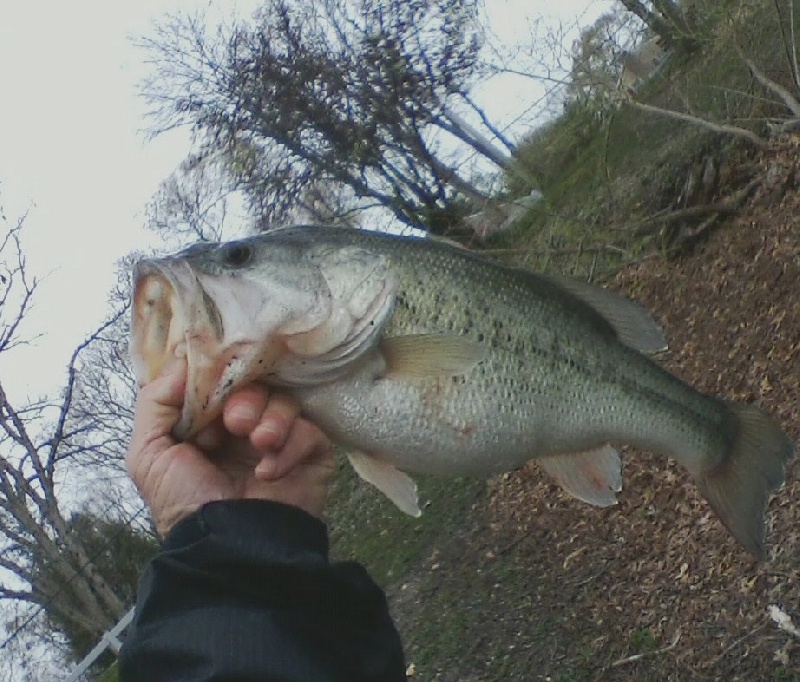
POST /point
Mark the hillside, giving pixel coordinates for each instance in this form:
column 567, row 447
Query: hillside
column 536, row 586
column 513, row 580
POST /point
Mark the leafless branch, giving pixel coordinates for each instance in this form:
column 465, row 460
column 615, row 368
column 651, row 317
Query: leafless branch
column 788, row 99
column 648, row 654
column 14, row 281
column 58, row 437
column 721, row 128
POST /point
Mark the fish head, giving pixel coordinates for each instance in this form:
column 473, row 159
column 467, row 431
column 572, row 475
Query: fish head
column 255, row 309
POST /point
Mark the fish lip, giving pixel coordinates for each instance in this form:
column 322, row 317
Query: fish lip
column 167, row 307
column 169, row 325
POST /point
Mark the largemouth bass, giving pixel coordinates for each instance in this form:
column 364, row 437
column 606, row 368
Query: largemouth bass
column 422, row 357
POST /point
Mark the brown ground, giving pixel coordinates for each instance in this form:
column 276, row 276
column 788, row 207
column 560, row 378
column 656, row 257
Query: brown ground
column 541, row 587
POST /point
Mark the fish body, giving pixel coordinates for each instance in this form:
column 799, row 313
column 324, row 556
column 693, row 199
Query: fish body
column 423, row 357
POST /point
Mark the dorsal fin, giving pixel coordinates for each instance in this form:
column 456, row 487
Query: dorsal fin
column 632, row 323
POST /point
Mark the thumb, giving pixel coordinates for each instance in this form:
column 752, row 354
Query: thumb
column 158, row 409
column 168, row 388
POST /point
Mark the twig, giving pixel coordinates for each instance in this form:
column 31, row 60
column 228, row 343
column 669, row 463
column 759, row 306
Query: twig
column 733, row 646
column 791, row 55
column 684, row 214
column 723, row 128
column 648, row 654
column 690, row 238
column 788, row 99
column 729, row 207
column 795, row 70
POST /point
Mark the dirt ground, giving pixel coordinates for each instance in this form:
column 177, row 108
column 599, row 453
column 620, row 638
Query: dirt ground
column 536, row 586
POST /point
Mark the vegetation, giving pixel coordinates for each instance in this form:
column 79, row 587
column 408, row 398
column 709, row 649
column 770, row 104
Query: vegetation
column 363, row 521
column 315, row 98
column 118, row 550
column 614, row 173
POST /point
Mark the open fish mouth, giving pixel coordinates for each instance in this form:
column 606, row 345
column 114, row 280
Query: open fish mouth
column 174, row 317
column 158, row 331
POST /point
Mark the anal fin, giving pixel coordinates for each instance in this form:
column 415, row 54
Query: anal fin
column 397, row 486
column 593, row 476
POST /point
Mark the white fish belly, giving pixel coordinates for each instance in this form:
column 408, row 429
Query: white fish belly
column 446, row 426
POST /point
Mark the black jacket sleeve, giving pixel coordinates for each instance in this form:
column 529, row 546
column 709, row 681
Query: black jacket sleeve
column 243, row 590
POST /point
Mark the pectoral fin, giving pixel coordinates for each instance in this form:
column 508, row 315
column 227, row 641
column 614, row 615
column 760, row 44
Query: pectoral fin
column 593, row 476
column 422, row 356
column 397, row 486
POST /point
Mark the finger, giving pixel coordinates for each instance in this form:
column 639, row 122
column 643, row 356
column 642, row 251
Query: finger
column 276, row 423
column 167, row 388
column 211, row 437
column 243, row 410
column 305, row 442
column 158, row 408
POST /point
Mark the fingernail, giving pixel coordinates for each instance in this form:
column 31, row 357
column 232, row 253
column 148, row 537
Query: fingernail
column 244, row 412
column 268, row 434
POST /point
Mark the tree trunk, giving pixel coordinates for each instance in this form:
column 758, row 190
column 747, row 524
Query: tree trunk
column 668, row 22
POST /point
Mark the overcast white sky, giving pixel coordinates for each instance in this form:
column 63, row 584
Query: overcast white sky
column 73, row 151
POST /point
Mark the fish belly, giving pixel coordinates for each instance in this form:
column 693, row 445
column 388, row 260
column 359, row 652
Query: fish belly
column 492, row 420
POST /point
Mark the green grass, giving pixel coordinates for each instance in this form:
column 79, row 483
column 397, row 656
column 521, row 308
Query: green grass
column 366, row 527
column 642, row 641
column 111, row 674
column 602, row 168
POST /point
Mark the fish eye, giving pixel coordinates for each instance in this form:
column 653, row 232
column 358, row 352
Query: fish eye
column 236, row 254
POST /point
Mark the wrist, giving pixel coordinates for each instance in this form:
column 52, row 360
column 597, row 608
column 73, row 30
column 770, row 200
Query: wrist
column 247, row 526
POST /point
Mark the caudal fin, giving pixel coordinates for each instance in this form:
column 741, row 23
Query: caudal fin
column 738, row 489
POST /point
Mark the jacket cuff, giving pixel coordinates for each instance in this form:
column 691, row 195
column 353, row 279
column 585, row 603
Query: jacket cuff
column 249, row 529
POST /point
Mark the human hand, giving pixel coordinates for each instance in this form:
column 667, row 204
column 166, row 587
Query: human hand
column 259, row 449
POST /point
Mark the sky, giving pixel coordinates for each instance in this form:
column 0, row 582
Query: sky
column 75, row 156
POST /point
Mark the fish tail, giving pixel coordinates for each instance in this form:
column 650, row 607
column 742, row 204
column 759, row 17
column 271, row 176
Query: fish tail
column 739, row 487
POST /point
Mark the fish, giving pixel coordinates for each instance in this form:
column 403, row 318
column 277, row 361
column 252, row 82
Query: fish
column 420, row 356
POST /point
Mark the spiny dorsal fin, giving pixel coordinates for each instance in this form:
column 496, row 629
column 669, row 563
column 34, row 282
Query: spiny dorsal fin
column 429, row 355
column 632, row 323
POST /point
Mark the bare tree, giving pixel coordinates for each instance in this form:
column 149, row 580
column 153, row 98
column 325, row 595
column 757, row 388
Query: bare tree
column 608, row 54
column 670, row 20
column 194, row 202
column 333, row 94
column 37, row 441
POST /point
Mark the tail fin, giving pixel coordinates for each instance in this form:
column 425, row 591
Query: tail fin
column 738, row 489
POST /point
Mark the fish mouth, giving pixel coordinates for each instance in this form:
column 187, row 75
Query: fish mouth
column 174, row 317
column 157, row 325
